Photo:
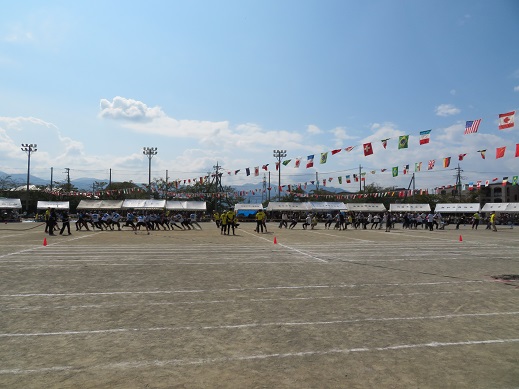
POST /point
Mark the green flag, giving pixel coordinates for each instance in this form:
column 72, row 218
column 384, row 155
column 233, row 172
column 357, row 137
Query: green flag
column 286, row 162
column 403, row 141
column 324, row 157
column 514, row 180
column 395, row 171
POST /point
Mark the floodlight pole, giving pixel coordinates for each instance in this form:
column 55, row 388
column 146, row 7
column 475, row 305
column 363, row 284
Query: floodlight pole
column 279, row 154
column 149, row 152
column 28, row 148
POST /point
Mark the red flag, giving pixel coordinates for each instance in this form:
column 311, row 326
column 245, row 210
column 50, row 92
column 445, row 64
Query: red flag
column 517, row 150
column 265, row 167
column 368, row 150
column 336, row 151
column 500, row 152
column 461, row 156
column 430, row 165
column 349, row 148
column 384, row 142
column 506, row 120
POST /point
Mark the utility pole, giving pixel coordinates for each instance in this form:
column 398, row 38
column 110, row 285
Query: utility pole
column 360, row 178
column 317, row 180
column 269, row 187
column 51, row 178
column 279, row 155
column 217, row 181
column 264, row 189
column 458, row 182
column 29, row 149
column 110, row 179
column 67, row 172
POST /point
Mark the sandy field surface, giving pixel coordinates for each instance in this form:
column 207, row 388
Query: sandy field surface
column 285, row 309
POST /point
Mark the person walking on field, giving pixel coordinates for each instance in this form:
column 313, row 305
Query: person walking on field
column 260, row 217
column 475, row 220
column 493, row 221
column 65, row 223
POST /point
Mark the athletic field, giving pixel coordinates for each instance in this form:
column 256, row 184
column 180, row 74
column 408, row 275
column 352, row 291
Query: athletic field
column 285, row 309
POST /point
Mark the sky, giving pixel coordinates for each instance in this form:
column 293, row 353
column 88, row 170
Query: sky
column 228, row 82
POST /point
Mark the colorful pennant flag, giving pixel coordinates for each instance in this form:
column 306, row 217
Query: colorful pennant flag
column 348, row 179
column 349, row 148
column 324, row 157
column 286, row 162
column 336, row 151
column 368, row 150
column 514, row 180
column 430, row 165
column 505, row 181
column 406, row 169
column 298, row 162
column 461, row 156
column 384, row 142
column 310, row 161
column 517, row 150
column 446, row 162
column 247, row 171
column 340, row 179
column 500, row 152
column 506, row 120
column 256, row 171
column 425, row 137
column 417, row 166
column 403, row 142
column 471, row 126
column 265, row 167
column 394, row 170
column 482, row 153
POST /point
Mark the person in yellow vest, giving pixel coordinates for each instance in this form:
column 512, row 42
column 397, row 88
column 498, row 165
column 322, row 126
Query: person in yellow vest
column 231, row 221
column 260, row 220
column 493, row 221
column 216, row 218
column 223, row 223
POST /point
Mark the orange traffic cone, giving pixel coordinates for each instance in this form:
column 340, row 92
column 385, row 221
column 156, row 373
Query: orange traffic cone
column 275, row 240
column 461, row 239
column 45, row 241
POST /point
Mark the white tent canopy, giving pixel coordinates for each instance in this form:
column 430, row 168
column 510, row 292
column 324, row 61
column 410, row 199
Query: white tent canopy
column 457, row 208
column 53, row 204
column 10, row 203
column 144, row 204
column 501, row 207
column 409, row 207
column 366, row 207
column 186, row 205
column 100, row 204
column 327, row 206
column 248, row 207
column 288, row 206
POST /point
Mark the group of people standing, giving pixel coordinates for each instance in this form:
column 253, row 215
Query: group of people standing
column 225, row 221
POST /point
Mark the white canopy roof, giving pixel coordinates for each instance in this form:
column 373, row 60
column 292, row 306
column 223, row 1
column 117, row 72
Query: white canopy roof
column 144, row 204
column 501, row 207
column 53, row 204
column 409, row 207
column 288, row 206
column 366, row 207
column 186, row 205
column 327, row 206
column 457, row 208
column 100, row 204
column 248, row 207
column 10, row 203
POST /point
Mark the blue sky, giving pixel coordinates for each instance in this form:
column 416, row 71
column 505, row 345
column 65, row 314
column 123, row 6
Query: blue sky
column 93, row 82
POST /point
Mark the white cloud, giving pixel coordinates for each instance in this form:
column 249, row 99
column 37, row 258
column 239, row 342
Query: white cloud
column 446, row 110
column 313, row 129
column 129, row 109
column 516, row 88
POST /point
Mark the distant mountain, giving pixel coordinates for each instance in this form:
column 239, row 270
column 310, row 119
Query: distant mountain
column 85, row 184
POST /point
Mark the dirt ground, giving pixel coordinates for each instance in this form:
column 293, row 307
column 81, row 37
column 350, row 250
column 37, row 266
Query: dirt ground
column 284, row 309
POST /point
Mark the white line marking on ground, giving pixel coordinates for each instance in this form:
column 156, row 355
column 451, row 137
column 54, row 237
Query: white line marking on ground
column 254, row 325
column 81, row 294
column 290, row 248
column 206, row 361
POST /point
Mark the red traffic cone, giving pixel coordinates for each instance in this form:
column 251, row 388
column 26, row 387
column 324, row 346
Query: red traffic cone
column 275, row 240
column 461, row 239
column 45, row 241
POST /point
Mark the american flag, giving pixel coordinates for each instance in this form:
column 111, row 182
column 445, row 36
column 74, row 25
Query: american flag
column 471, row 126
